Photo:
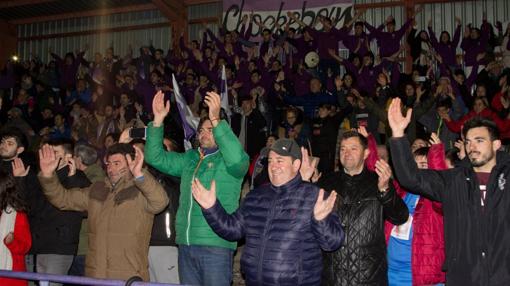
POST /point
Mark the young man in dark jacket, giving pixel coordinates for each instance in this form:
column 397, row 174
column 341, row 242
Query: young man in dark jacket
column 367, row 199
column 475, row 198
column 285, row 223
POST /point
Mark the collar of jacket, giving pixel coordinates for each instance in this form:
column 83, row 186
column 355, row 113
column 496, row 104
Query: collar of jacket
column 502, row 158
column 357, row 176
column 290, row 185
column 207, row 151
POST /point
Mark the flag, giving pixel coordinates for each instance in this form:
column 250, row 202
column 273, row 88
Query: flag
column 189, row 121
column 224, row 93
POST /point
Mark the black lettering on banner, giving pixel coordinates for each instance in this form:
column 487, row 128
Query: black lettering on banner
column 232, row 18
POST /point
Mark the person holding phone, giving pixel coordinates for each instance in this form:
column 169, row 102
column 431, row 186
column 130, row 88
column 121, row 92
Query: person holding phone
column 204, row 257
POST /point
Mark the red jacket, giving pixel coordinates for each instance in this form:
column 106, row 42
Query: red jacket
column 427, row 253
column 18, row 248
column 503, row 124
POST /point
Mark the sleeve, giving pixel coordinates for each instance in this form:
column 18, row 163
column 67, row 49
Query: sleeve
column 429, row 183
column 394, row 208
column 328, row 232
column 433, row 38
column 436, row 157
column 230, row 227
column 236, row 159
column 403, row 29
column 155, row 195
column 22, row 238
column 171, row 163
column 373, row 155
column 456, row 37
column 76, row 199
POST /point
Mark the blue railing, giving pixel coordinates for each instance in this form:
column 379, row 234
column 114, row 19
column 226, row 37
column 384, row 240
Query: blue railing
column 77, row 280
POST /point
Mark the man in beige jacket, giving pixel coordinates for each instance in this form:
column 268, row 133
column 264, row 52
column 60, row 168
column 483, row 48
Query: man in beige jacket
column 120, row 211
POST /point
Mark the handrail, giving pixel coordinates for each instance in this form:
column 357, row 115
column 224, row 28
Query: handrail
column 78, row 280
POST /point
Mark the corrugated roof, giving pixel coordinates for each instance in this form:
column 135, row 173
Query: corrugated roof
column 62, row 7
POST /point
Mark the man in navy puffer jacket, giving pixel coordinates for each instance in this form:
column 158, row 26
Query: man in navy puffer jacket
column 286, row 223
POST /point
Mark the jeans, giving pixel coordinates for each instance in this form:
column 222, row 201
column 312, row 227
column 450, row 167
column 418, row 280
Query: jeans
column 204, row 265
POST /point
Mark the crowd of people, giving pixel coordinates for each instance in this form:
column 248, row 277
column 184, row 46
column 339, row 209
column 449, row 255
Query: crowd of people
column 358, row 173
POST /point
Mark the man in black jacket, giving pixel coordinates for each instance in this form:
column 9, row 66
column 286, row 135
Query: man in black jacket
column 55, row 233
column 249, row 126
column 475, row 198
column 366, row 200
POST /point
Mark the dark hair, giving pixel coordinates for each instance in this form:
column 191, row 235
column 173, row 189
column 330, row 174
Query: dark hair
column 478, row 121
column 67, row 144
column 114, row 135
column 352, row 133
column 21, row 139
column 266, row 30
column 452, row 155
column 422, row 151
column 87, row 153
column 444, row 102
column 10, row 193
column 359, row 23
column 120, row 148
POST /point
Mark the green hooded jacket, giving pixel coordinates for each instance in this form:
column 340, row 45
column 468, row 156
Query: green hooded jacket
column 227, row 166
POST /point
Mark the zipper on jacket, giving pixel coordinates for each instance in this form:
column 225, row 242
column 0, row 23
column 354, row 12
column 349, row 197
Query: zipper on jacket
column 191, row 195
column 264, row 240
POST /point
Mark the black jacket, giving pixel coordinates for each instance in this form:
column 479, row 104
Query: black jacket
column 477, row 240
column 256, row 131
column 163, row 228
column 55, row 231
column 362, row 209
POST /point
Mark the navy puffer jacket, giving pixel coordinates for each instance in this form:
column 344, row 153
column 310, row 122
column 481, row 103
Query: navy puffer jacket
column 283, row 240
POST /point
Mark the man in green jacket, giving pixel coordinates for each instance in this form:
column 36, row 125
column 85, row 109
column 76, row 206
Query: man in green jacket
column 204, row 257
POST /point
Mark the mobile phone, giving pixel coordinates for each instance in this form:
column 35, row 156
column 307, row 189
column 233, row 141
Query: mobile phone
column 137, row 133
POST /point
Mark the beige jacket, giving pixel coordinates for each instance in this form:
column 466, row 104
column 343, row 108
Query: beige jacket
column 119, row 222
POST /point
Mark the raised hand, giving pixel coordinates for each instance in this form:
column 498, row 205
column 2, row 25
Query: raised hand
column 323, row 207
column 18, row 168
column 398, row 123
column 434, row 139
column 383, row 170
column 205, row 198
column 48, row 162
column 72, row 166
column 307, row 168
column 135, row 165
column 213, row 101
column 363, row 131
column 160, row 108
column 462, row 149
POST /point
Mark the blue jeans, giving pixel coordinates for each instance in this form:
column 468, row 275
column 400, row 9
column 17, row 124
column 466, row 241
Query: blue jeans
column 205, row 266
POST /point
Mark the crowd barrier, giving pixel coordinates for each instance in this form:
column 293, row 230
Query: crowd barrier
column 44, row 279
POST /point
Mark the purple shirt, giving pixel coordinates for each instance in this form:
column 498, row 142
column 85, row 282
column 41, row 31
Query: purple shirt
column 389, row 43
column 327, row 40
column 447, row 51
column 474, row 47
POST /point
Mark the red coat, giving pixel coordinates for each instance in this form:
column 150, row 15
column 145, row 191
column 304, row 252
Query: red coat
column 18, row 248
column 503, row 124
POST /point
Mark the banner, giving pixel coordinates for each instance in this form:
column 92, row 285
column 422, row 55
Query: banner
column 271, row 12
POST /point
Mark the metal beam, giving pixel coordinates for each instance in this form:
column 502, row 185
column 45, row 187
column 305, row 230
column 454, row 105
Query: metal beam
column 169, row 13
column 11, row 4
column 90, row 13
column 94, row 32
column 198, row 2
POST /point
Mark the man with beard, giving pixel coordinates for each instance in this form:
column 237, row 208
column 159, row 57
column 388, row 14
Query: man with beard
column 475, row 197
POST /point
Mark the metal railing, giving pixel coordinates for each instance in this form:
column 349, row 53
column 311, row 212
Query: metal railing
column 44, row 279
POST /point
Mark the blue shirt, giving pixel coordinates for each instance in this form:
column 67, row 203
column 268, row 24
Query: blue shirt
column 399, row 250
